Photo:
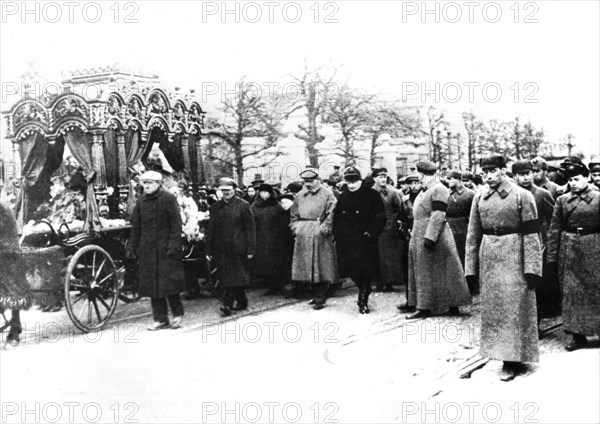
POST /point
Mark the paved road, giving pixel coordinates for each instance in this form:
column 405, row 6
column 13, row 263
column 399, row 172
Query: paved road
column 284, row 362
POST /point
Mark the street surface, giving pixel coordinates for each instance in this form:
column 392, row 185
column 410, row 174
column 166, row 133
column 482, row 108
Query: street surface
column 282, row 362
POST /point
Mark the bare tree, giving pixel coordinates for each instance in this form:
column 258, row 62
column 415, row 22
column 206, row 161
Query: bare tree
column 348, row 110
column 435, row 124
column 390, row 119
column 474, row 127
column 246, row 115
column 315, row 91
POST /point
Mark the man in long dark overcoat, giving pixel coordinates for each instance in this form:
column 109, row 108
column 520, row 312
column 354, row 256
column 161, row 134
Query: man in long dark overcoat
column 504, row 252
column 548, row 293
column 358, row 220
column 459, row 208
column 230, row 245
column 391, row 241
column 155, row 241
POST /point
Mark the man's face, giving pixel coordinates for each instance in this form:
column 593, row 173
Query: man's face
column 596, row 177
column 150, row 186
column 228, row 192
column 354, row 185
column 524, row 179
column 311, row 183
column 453, row 183
column 264, row 195
column 493, row 176
column 251, row 191
column 286, row 203
column 578, row 183
column 415, row 186
column 381, row 180
column 468, row 184
column 539, row 175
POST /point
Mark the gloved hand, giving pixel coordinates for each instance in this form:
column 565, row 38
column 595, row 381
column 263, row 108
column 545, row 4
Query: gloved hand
column 172, row 253
column 473, row 283
column 130, row 254
column 429, row 244
column 533, row 281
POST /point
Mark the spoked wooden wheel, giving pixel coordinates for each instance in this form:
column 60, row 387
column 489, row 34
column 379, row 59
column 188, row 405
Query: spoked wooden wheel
column 91, row 288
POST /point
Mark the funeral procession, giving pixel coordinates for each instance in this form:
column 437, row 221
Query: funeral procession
column 264, row 212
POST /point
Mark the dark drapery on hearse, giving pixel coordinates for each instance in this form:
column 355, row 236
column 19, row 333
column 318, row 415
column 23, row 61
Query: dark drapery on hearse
column 106, row 136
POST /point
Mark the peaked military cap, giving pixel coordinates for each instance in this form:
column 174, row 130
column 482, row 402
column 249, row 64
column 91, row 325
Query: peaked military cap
column 454, row 174
column 467, row 176
column 351, row 173
column 594, row 166
column 379, row 171
column 570, row 160
column 576, row 169
column 413, row 177
column 521, row 166
column 426, row 167
column 539, row 163
column 309, row 174
column 227, row 182
column 151, row 176
column 496, row 161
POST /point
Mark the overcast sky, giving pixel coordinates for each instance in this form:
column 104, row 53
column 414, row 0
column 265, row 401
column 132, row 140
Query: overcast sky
column 384, row 47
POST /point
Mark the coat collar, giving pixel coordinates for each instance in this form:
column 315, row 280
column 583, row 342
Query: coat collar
column 503, row 189
column 315, row 191
column 585, row 195
column 460, row 190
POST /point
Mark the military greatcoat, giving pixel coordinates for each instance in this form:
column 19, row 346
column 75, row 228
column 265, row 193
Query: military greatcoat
column 548, row 294
column 311, row 222
column 459, row 208
column 435, row 277
column 577, row 252
column 509, row 315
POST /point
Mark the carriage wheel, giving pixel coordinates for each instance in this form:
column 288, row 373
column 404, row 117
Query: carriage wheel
column 91, row 288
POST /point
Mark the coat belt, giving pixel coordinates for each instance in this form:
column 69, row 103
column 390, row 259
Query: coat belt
column 504, row 231
column 580, row 231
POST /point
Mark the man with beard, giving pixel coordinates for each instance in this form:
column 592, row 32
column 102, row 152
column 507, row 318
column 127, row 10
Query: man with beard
column 504, row 252
column 359, row 219
column 540, row 177
column 547, row 294
column 391, row 242
column 595, row 173
column 459, row 208
column 436, row 281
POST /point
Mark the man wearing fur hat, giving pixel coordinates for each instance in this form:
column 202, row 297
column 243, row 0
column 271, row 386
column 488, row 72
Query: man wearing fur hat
column 155, row 241
column 574, row 245
column 504, row 252
column 436, row 282
column 359, row 219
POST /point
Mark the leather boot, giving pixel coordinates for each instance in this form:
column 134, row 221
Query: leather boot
column 363, row 300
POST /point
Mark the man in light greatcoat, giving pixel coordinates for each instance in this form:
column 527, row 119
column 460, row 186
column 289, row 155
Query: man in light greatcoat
column 436, row 282
column 504, row 252
column 311, row 221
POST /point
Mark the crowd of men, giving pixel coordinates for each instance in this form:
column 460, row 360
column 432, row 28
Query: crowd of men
column 526, row 245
